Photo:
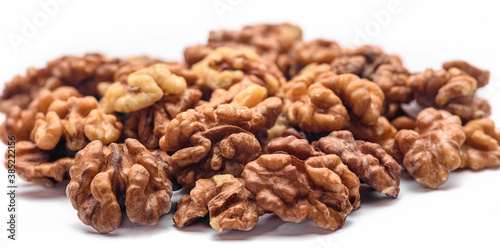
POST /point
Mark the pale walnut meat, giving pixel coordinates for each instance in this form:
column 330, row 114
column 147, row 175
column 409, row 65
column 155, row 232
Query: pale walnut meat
column 106, row 180
column 230, row 204
column 481, row 148
column 39, row 166
column 482, row 76
column 296, row 190
column 144, row 87
column 432, row 151
column 316, row 51
column 218, row 150
column 382, row 132
column 20, row 122
column 367, row 160
column 47, row 130
column 226, row 66
column 101, row 126
column 245, row 93
column 456, row 87
column 148, row 125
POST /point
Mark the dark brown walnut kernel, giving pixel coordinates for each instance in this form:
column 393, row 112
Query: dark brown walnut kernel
column 432, row 151
column 296, row 190
column 106, row 180
column 367, row 160
column 230, row 204
column 39, row 166
column 481, row 148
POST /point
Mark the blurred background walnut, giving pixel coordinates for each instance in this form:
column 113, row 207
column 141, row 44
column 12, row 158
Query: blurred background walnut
column 296, row 190
column 230, row 204
column 452, row 88
column 481, row 148
column 432, row 151
column 105, row 180
column 367, row 160
column 39, row 166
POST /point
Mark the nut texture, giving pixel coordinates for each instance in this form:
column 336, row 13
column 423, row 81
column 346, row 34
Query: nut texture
column 367, row 160
column 481, row 148
column 105, row 180
column 230, row 204
column 296, row 190
column 431, row 152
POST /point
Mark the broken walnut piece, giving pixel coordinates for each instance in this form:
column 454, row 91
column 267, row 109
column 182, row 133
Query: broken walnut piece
column 230, row 204
column 481, row 148
column 39, row 166
column 296, row 190
column 105, row 180
column 367, row 160
column 432, row 151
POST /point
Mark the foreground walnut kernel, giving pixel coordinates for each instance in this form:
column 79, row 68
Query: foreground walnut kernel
column 105, row 180
column 431, row 152
column 481, row 148
column 39, row 166
column 230, row 204
column 367, row 160
column 296, row 190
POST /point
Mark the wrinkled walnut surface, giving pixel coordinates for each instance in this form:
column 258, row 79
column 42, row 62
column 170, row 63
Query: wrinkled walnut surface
column 106, row 180
column 431, row 152
column 481, row 148
column 230, row 204
column 367, row 160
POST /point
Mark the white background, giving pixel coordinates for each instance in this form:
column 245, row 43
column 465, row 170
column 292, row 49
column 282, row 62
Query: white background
column 465, row 212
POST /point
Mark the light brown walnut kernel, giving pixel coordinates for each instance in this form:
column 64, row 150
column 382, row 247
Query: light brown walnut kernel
column 367, row 160
column 482, row 76
column 225, row 67
column 300, row 148
column 47, row 130
column 230, row 204
column 432, row 151
column 482, row 145
column 382, row 132
column 105, row 180
column 316, row 51
column 404, row 122
column 39, row 166
column 296, row 190
column 101, row 126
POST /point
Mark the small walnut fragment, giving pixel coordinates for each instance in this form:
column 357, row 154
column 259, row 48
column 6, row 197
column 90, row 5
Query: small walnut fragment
column 296, row 190
column 39, row 166
column 432, row 151
column 481, row 148
column 230, row 204
column 106, row 180
column 367, row 160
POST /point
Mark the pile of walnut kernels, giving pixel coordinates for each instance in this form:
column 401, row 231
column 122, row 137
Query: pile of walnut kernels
column 256, row 121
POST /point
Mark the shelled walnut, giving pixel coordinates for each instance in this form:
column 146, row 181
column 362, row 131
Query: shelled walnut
column 39, row 166
column 230, row 204
column 225, row 67
column 432, row 151
column 481, row 148
column 144, row 87
column 105, row 180
column 296, row 190
column 367, row 160
column 452, row 89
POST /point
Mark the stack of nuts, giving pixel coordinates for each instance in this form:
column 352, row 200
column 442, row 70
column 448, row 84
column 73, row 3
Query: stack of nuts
column 254, row 122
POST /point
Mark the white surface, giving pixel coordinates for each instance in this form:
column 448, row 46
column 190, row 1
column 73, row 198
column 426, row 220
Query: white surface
column 465, row 212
